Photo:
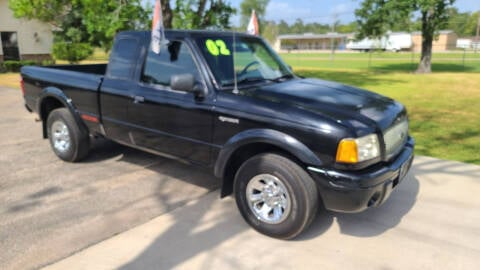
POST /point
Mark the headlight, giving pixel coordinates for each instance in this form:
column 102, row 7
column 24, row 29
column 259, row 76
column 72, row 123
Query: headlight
column 358, row 150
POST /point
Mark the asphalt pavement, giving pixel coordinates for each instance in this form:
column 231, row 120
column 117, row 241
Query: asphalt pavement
column 50, row 209
column 125, row 209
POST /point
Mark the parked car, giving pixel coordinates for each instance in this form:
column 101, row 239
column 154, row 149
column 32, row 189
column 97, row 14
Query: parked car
column 282, row 144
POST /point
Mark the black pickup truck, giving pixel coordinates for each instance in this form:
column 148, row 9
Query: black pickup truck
column 281, row 143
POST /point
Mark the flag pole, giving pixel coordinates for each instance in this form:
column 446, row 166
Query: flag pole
column 235, row 86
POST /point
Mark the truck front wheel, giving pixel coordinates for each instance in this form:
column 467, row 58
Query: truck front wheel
column 68, row 141
column 275, row 195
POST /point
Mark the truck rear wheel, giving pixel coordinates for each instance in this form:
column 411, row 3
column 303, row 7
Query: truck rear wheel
column 275, row 196
column 69, row 142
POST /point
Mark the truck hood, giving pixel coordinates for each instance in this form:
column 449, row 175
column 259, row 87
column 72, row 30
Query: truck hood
column 341, row 103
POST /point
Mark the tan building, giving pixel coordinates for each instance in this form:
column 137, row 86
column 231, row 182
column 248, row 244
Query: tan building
column 311, row 42
column 447, row 40
column 23, row 39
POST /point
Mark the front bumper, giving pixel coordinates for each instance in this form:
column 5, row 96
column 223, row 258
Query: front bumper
column 355, row 191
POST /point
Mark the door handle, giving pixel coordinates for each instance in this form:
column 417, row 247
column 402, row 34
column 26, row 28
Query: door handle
column 138, row 99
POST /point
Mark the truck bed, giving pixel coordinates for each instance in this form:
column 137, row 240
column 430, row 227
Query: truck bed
column 98, row 69
column 68, row 78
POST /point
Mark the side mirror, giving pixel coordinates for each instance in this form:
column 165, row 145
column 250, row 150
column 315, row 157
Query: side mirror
column 182, row 82
column 186, row 83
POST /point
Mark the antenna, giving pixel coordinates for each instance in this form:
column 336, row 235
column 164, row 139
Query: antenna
column 235, row 88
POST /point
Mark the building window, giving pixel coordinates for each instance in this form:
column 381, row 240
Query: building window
column 10, row 46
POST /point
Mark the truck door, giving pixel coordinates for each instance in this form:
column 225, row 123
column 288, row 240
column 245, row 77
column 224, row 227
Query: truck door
column 169, row 121
column 117, row 88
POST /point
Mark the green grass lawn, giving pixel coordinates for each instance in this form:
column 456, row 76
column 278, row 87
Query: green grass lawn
column 385, row 61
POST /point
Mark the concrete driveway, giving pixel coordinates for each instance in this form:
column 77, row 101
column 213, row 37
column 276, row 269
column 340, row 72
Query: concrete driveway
column 125, row 209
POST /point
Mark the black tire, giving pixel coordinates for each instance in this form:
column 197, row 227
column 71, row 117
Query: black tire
column 299, row 186
column 79, row 139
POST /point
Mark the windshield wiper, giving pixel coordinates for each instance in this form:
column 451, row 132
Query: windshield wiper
column 248, row 80
column 260, row 79
column 284, row 76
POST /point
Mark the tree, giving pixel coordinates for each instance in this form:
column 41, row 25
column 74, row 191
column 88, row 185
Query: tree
column 457, row 21
column 298, row 27
column 93, row 22
column 167, row 13
column 103, row 19
column 260, row 7
column 270, row 32
column 283, row 28
column 462, row 23
column 376, row 17
column 200, row 14
column 472, row 24
column 347, row 28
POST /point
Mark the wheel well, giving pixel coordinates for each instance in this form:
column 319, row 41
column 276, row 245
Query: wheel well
column 48, row 104
column 241, row 155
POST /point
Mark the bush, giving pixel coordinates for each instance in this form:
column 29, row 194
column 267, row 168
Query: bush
column 72, row 52
column 48, row 62
column 14, row 66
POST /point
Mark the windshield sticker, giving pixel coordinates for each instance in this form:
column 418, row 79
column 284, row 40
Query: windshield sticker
column 217, row 47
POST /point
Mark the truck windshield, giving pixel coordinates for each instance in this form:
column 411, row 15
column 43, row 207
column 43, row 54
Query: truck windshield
column 254, row 60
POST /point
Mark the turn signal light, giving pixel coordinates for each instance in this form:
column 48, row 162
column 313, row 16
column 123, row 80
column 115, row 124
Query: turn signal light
column 347, row 151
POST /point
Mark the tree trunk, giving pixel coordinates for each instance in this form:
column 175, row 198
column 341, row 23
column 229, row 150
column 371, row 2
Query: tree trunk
column 428, row 32
column 200, row 16
column 167, row 13
column 425, row 65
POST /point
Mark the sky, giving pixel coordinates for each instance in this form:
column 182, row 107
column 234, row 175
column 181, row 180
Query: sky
column 323, row 11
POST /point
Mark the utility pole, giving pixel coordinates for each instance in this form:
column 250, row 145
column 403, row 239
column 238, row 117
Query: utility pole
column 332, row 38
column 478, row 30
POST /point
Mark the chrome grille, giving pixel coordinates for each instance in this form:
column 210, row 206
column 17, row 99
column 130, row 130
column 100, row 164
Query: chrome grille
column 395, row 137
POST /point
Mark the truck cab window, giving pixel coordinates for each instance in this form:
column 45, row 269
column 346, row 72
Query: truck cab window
column 124, row 55
column 174, row 58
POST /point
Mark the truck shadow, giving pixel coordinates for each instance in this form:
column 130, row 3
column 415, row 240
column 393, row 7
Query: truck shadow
column 374, row 221
column 199, row 221
column 190, row 197
column 102, row 149
column 436, row 67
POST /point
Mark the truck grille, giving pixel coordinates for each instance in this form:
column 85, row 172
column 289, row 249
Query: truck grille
column 395, row 138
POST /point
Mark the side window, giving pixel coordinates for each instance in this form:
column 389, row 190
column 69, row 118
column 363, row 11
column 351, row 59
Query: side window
column 174, row 58
column 123, row 59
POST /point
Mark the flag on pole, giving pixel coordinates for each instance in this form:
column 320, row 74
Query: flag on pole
column 158, row 31
column 252, row 28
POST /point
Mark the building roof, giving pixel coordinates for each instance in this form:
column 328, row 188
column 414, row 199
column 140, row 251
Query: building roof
column 444, row 32
column 313, row 36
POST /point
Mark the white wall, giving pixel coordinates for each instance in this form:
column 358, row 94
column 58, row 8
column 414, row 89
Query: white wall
column 27, row 43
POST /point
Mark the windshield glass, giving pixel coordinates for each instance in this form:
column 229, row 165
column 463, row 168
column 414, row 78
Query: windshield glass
column 254, row 60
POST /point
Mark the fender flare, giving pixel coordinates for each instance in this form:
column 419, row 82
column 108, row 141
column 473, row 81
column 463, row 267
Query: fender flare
column 59, row 95
column 267, row 136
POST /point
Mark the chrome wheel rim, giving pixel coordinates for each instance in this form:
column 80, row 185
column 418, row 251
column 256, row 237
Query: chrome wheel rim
column 60, row 136
column 268, row 198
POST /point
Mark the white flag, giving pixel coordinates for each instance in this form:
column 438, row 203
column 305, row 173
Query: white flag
column 252, row 28
column 158, row 31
